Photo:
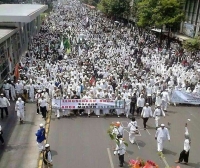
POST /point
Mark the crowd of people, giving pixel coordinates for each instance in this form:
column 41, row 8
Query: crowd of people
column 81, row 54
column 102, row 59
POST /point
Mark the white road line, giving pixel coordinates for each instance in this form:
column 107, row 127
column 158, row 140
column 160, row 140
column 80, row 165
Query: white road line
column 148, row 131
column 137, row 144
column 110, row 158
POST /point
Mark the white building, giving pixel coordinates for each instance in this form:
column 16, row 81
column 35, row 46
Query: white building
column 18, row 23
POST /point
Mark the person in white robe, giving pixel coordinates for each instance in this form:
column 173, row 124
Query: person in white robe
column 165, row 99
column 66, row 112
column 19, row 108
column 157, row 114
column 127, row 105
column 31, row 92
column 12, row 91
column 133, row 129
column 97, row 110
column 119, row 110
column 162, row 134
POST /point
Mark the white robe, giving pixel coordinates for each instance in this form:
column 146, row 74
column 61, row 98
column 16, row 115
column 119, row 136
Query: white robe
column 133, row 127
column 161, row 135
column 19, row 107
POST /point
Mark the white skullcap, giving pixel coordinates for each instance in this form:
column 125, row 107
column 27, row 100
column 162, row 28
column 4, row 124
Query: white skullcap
column 41, row 125
column 47, row 145
column 162, row 125
column 19, row 98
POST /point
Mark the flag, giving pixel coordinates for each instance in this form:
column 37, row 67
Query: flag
column 92, row 81
column 67, row 44
column 16, row 73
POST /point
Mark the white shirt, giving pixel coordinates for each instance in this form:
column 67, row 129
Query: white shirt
column 186, row 145
column 19, row 106
column 121, row 148
column 133, row 126
column 146, row 112
column 162, row 134
column 4, row 102
column 43, row 102
column 140, row 102
column 158, row 112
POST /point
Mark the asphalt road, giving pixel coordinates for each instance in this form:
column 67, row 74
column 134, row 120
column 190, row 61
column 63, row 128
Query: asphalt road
column 79, row 142
column 20, row 149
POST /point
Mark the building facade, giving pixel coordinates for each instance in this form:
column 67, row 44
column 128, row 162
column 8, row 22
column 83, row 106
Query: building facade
column 15, row 35
column 191, row 25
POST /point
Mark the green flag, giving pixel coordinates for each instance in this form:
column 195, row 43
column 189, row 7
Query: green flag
column 67, row 44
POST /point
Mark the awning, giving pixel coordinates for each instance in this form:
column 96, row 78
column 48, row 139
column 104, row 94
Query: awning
column 159, row 30
column 182, row 37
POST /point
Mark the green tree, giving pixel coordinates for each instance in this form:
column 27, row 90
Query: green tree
column 192, row 45
column 160, row 12
column 114, row 7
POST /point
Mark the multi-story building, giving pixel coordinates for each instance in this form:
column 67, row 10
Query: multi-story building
column 18, row 24
column 191, row 25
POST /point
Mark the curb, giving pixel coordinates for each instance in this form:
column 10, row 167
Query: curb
column 47, row 125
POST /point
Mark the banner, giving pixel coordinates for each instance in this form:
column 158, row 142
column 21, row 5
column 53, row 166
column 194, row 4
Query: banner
column 87, row 104
column 185, row 98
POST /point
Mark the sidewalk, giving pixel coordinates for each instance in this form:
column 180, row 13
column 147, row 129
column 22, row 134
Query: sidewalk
column 20, row 149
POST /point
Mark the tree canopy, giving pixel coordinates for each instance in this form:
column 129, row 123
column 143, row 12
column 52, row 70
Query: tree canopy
column 192, row 45
column 114, row 7
column 159, row 12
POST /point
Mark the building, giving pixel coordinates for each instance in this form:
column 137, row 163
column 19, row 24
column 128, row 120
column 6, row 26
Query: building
column 18, row 24
column 191, row 25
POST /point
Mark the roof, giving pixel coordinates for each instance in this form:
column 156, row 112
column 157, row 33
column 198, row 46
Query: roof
column 182, row 37
column 159, row 30
column 6, row 33
column 20, row 12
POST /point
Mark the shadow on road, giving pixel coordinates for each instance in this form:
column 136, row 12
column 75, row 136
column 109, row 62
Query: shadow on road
column 167, row 151
column 8, row 124
column 141, row 143
column 194, row 165
column 53, row 152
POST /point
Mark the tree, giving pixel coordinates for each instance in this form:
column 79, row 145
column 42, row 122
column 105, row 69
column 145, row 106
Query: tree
column 160, row 12
column 192, row 45
column 114, row 7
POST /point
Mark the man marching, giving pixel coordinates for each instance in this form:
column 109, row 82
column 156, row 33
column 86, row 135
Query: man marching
column 19, row 108
column 40, row 137
column 157, row 114
column 161, row 135
column 133, row 130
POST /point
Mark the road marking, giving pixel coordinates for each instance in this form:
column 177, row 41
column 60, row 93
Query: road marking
column 148, row 131
column 110, row 158
column 137, row 144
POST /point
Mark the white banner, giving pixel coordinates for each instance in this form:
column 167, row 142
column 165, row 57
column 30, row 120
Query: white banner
column 185, row 98
column 87, row 104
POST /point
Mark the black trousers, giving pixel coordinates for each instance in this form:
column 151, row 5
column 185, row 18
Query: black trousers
column 121, row 159
column 149, row 100
column 184, row 156
column 132, row 108
column 145, row 122
column 139, row 110
column 43, row 111
column 1, row 139
column 4, row 109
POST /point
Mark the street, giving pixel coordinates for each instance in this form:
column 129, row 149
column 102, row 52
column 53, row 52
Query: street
column 84, row 142
column 20, row 147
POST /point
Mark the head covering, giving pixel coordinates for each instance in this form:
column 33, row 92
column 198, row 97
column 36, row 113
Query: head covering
column 41, row 125
column 19, row 98
column 47, row 145
column 162, row 125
